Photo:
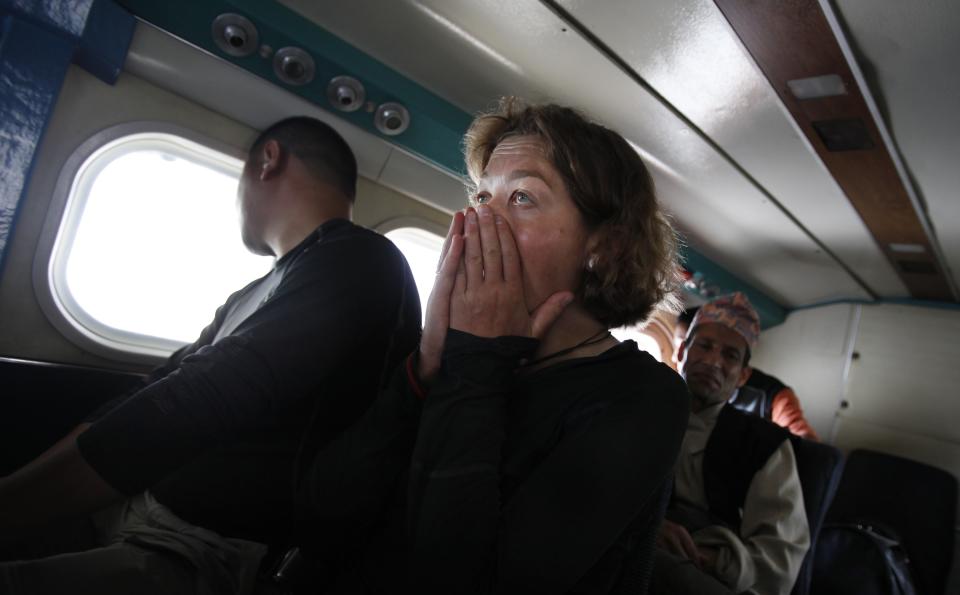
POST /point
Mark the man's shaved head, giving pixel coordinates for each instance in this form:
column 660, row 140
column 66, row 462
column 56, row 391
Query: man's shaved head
column 327, row 156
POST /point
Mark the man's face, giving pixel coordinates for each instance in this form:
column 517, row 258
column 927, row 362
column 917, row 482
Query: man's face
column 249, row 206
column 712, row 362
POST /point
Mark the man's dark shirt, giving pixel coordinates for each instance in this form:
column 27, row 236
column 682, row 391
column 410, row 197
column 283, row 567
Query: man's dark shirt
column 215, row 433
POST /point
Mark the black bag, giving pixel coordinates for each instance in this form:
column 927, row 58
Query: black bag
column 863, row 559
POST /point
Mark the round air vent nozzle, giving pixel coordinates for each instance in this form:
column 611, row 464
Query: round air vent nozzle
column 235, row 35
column 346, row 93
column 391, row 118
column 293, row 66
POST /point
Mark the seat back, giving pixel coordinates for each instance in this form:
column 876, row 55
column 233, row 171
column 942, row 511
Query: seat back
column 819, row 467
column 915, row 500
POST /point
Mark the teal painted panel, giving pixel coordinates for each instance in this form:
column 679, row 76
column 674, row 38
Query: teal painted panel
column 436, row 127
column 722, row 282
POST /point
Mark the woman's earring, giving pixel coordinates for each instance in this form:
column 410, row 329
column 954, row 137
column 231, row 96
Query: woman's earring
column 591, row 262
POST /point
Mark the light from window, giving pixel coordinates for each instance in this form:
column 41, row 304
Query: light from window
column 150, row 245
column 422, row 251
column 644, row 341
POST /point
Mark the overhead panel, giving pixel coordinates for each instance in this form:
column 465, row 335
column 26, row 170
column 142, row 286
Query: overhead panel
column 525, row 42
column 202, row 78
column 686, row 50
column 793, row 44
column 170, row 64
column 286, row 49
column 430, row 43
column 523, row 47
column 908, row 53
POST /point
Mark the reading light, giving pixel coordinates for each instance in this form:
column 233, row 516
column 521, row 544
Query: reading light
column 907, row 248
column 828, row 85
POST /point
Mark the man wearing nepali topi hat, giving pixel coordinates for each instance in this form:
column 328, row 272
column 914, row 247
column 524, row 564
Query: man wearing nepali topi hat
column 736, row 521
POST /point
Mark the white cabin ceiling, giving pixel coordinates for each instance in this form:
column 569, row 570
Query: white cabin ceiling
column 472, row 52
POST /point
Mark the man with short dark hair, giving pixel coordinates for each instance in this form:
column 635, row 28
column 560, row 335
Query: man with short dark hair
column 736, row 521
column 192, row 473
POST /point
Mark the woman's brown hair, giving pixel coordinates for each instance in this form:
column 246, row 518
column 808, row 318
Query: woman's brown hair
column 634, row 268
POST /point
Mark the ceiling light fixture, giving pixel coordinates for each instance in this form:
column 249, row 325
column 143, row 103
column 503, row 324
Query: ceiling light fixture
column 815, row 87
column 907, row 248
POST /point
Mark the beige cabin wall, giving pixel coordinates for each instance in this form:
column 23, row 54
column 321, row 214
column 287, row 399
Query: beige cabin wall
column 880, row 377
column 874, row 376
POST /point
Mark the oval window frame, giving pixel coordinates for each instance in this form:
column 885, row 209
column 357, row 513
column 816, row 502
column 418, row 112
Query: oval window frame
column 63, row 217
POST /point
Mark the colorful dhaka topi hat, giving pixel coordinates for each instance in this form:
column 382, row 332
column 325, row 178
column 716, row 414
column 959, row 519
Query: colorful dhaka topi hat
column 734, row 312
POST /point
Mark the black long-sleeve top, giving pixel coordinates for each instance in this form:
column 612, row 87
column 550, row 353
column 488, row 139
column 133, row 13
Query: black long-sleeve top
column 543, row 482
column 215, row 432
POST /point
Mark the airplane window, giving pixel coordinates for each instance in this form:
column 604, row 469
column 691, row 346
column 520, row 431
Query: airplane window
column 150, row 243
column 422, row 251
column 644, row 341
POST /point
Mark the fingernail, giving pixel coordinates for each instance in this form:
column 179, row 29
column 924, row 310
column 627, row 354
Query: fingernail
column 498, row 219
column 483, row 211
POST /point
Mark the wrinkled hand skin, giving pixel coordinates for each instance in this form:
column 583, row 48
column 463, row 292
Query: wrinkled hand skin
column 487, row 298
column 437, row 320
column 479, row 289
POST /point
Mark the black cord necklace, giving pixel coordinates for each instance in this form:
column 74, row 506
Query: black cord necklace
column 591, row 340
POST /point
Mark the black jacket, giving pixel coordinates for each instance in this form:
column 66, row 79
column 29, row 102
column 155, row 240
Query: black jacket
column 215, row 432
column 546, row 482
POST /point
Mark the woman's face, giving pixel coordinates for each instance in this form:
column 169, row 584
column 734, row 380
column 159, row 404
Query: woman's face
column 522, row 186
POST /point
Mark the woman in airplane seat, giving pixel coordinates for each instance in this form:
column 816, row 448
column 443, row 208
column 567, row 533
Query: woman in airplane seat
column 541, row 446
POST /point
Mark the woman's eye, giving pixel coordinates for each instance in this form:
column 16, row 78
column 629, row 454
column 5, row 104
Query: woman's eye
column 521, row 198
column 481, row 198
